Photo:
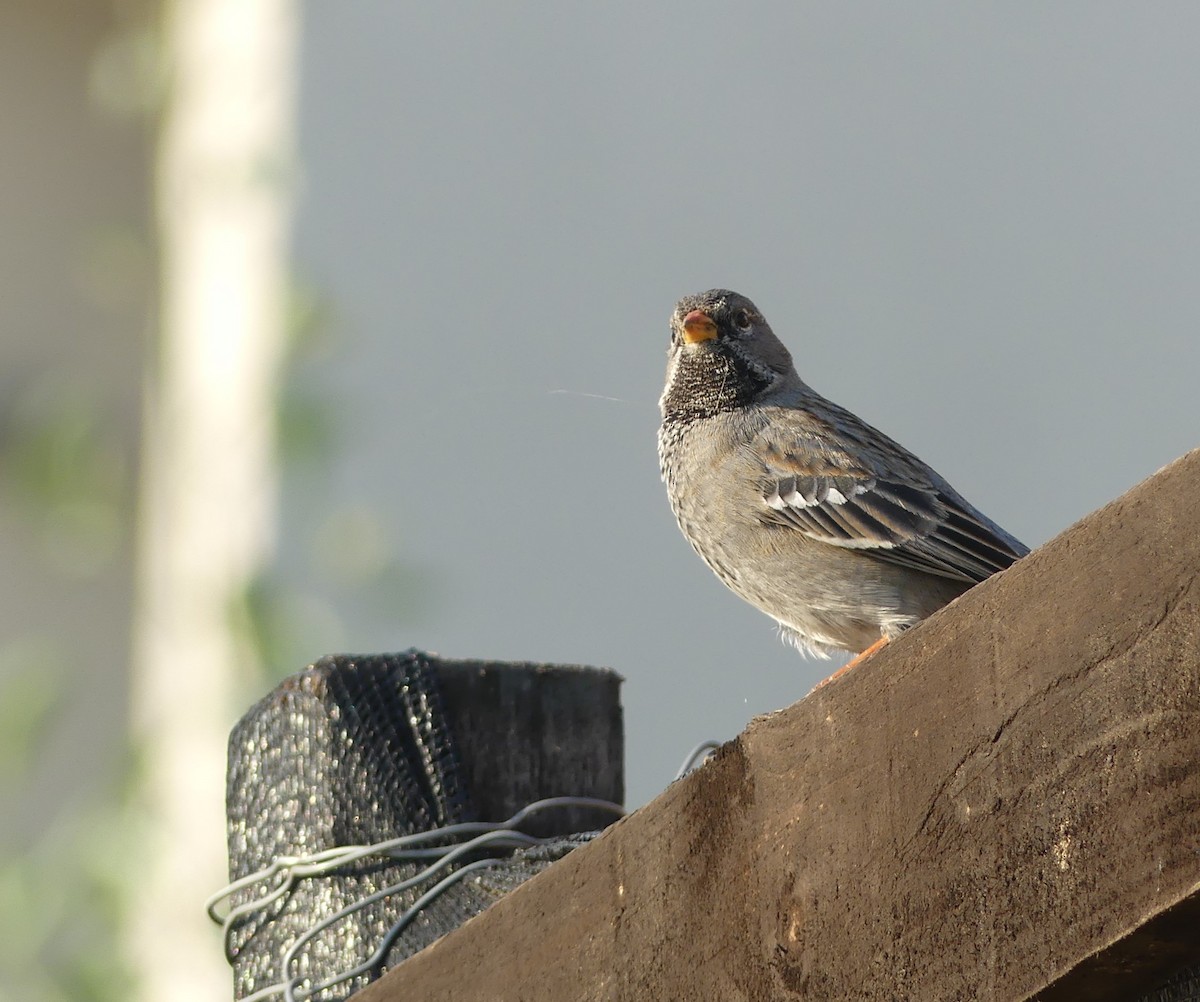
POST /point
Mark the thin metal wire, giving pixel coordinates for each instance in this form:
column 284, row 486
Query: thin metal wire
column 285, row 871
column 497, row 839
column 380, row 955
column 290, row 869
column 697, row 757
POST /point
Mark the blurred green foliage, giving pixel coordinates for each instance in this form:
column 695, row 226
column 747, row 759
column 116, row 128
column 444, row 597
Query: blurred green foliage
column 30, row 687
column 61, row 902
column 66, row 473
column 63, row 890
column 307, row 429
column 346, row 558
column 66, row 496
column 65, row 483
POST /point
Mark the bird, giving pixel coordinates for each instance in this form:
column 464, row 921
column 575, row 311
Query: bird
column 824, row 523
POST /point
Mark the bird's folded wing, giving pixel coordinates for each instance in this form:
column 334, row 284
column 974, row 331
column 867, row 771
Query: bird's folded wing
column 903, row 519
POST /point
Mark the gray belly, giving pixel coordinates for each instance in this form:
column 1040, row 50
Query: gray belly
column 825, row 597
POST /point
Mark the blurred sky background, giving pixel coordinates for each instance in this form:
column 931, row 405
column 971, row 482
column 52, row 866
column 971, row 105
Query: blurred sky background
column 976, row 225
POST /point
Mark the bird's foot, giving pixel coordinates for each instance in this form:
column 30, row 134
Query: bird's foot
column 862, row 656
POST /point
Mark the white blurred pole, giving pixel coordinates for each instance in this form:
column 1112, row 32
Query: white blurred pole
column 209, row 494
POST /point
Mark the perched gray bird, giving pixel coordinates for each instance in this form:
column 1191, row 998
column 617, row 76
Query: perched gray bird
column 841, row 535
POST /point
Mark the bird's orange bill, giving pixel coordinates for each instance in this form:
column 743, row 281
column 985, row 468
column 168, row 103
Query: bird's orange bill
column 698, row 326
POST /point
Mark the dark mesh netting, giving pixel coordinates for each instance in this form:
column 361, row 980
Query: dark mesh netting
column 1183, row 987
column 358, row 750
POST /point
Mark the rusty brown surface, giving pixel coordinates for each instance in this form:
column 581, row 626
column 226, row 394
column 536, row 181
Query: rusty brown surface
column 1004, row 801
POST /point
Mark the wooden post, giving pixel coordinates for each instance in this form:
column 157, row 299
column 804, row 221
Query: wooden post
column 356, row 750
column 1003, row 804
column 523, row 730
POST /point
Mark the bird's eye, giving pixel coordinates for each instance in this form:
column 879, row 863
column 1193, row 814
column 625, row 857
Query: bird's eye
column 741, row 320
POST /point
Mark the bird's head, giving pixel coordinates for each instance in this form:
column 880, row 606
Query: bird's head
column 723, row 356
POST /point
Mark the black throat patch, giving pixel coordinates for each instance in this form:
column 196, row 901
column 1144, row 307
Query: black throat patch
column 710, row 382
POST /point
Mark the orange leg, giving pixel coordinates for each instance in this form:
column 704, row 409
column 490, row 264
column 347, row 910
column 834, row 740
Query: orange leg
column 862, row 656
